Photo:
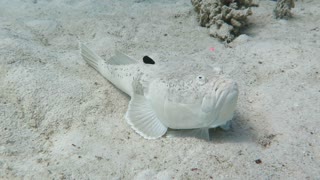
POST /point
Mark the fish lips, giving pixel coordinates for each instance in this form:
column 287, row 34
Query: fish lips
column 219, row 105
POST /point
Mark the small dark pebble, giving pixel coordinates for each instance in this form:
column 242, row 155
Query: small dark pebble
column 260, row 62
column 211, row 177
column 317, row 72
column 98, row 157
column 73, row 145
column 258, row 161
column 165, row 34
column 155, row 157
column 79, row 156
column 312, row 132
column 194, row 169
column 5, row 128
column 282, row 70
column 95, row 83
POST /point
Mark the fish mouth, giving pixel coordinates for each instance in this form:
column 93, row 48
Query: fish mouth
column 227, row 97
column 221, row 103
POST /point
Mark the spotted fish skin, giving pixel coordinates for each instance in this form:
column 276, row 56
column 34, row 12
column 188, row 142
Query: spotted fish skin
column 179, row 94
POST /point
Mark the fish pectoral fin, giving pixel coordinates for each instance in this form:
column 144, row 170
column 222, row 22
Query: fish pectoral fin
column 201, row 133
column 143, row 119
column 226, row 126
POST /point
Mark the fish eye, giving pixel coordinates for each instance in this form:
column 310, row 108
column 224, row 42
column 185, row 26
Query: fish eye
column 201, row 79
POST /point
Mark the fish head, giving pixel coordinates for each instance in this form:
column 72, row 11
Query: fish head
column 194, row 97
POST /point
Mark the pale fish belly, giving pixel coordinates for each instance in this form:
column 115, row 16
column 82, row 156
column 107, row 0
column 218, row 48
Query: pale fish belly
column 183, row 116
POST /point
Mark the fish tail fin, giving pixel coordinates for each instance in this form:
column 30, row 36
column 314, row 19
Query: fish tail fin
column 90, row 57
column 107, row 68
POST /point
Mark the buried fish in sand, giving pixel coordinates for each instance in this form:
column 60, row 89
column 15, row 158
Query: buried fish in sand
column 178, row 94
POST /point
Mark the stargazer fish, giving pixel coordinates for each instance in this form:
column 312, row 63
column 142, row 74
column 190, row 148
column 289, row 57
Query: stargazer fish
column 178, row 94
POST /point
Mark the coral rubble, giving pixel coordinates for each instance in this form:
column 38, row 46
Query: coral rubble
column 225, row 18
column 283, row 9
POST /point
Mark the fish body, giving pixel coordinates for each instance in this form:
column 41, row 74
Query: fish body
column 180, row 94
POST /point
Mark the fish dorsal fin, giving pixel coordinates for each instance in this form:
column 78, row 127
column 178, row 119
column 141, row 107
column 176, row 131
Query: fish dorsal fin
column 148, row 60
column 121, row 59
column 143, row 119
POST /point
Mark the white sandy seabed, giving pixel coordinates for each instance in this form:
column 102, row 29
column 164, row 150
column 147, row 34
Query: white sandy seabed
column 59, row 119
